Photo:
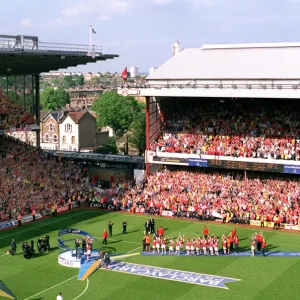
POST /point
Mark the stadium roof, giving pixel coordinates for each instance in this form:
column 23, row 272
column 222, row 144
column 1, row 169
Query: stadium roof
column 244, row 61
column 27, row 55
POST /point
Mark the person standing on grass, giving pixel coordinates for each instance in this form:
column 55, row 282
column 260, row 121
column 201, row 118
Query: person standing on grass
column 104, row 236
column 13, row 247
column 124, row 224
column 263, row 247
column 59, row 297
column 236, row 244
column 205, row 232
column 110, row 228
column 253, row 248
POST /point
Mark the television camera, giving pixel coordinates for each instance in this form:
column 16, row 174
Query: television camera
column 28, row 250
column 43, row 244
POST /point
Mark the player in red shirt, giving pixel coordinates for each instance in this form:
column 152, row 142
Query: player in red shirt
column 157, row 243
column 198, row 247
column 236, row 244
column 188, row 246
column 153, row 245
column 253, row 248
column 216, row 242
column 193, row 242
column 224, row 242
column 204, row 246
column 205, row 232
column 171, row 247
column 211, row 246
column 263, row 247
column 163, row 245
column 161, row 231
column 178, row 246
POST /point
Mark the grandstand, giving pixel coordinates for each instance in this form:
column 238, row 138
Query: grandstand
column 22, row 60
column 203, row 102
column 224, row 122
column 27, row 171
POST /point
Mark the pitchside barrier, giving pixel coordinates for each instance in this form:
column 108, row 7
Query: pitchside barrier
column 164, row 213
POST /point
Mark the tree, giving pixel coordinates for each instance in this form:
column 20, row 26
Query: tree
column 110, row 147
column 138, row 135
column 95, row 81
column 68, row 82
column 115, row 111
column 52, row 99
column 79, row 80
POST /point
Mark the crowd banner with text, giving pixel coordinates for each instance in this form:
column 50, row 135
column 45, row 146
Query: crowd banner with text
column 198, row 162
column 291, row 169
column 167, row 213
column 25, row 219
column 271, row 225
column 171, row 160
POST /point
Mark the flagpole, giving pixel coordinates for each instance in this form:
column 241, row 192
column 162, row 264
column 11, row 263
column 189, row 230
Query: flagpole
column 127, row 74
column 91, row 43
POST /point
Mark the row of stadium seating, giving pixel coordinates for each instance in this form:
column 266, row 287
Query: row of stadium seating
column 31, row 180
column 211, row 193
column 237, row 128
column 12, row 114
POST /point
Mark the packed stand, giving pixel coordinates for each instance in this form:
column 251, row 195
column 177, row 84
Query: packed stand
column 268, row 129
column 12, row 114
column 30, row 180
column 210, row 195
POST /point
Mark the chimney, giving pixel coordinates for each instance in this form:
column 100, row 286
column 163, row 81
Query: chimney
column 175, row 48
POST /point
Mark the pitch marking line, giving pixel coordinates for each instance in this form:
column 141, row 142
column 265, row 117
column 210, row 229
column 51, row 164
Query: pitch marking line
column 43, row 225
column 3, row 255
column 135, row 249
column 52, row 287
column 87, row 286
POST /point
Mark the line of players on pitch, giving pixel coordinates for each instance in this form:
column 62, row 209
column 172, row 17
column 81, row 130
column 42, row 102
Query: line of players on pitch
column 207, row 245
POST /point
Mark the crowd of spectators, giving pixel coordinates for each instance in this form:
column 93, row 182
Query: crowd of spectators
column 210, row 195
column 12, row 114
column 31, row 180
column 268, row 129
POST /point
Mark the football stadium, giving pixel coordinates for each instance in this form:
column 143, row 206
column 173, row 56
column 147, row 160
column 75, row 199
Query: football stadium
column 217, row 215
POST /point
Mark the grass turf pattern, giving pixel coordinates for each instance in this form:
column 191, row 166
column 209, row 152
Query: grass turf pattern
column 43, row 278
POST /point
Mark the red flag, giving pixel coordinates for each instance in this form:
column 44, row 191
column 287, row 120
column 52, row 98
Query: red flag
column 124, row 74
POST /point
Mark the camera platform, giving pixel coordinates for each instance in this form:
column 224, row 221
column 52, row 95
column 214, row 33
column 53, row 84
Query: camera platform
column 69, row 259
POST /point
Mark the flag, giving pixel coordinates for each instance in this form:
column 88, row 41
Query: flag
column 93, row 31
column 124, row 74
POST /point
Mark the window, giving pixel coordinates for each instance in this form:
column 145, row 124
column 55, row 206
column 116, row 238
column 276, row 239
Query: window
column 64, row 139
column 47, row 138
column 55, row 138
column 51, row 127
column 68, row 128
column 73, row 139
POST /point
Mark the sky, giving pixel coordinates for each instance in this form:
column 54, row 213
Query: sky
column 142, row 31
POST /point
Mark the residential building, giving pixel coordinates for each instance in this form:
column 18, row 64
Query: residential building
column 50, row 130
column 78, row 131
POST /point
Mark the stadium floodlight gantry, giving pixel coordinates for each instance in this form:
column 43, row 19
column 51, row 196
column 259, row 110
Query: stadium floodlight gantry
column 24, row 58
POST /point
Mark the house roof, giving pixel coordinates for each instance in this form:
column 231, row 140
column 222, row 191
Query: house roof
column 76, row 116
column 245, row 61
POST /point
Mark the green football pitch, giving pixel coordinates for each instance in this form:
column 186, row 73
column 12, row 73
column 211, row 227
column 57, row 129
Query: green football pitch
column 43, row 278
